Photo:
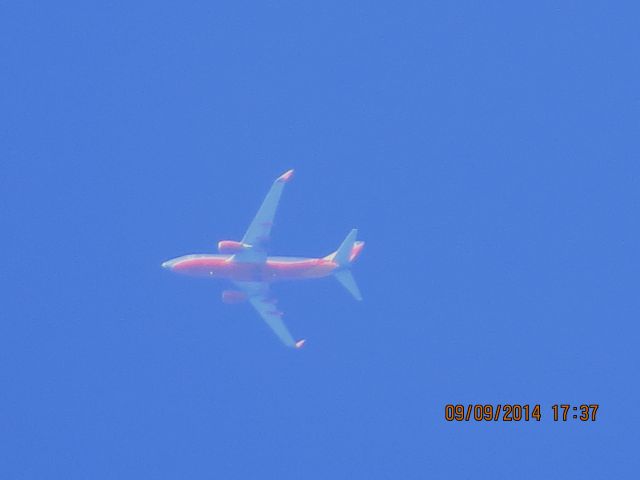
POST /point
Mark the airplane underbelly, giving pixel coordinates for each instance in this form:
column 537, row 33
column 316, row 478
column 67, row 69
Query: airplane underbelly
column 215, row 268
column 240, row 272
column 296, row 272
column 271, row 271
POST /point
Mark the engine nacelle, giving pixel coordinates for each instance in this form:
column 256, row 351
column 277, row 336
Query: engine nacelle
column 233, row 296
column 230, row 246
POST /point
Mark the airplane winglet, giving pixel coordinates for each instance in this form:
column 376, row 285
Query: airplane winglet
column 286, row 176
column 300, row 343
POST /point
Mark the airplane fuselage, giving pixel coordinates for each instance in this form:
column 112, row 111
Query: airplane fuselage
column 272, row 270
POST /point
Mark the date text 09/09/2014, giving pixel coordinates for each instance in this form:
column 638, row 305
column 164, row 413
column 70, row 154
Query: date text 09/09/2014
column 515, row 412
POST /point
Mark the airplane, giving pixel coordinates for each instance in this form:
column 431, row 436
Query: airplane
column 247, row 265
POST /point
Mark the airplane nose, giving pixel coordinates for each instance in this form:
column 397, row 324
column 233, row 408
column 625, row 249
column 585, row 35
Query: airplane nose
column 166, row 265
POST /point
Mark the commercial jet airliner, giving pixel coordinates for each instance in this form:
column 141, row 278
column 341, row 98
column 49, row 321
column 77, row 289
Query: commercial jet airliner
column 246, row 264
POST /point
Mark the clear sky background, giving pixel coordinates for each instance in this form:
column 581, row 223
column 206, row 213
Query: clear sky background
column 488, row 152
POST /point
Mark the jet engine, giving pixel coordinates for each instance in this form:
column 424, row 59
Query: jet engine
column 233, row 296
column 230, row 246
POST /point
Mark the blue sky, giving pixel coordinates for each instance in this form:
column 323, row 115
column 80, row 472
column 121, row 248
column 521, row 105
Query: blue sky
column 488, row 153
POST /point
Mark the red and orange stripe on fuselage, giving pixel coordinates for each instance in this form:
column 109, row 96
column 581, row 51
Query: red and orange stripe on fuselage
column 274, row 269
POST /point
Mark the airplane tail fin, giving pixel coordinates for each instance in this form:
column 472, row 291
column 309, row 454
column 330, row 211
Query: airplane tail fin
column 344, row 256
column 348, row 250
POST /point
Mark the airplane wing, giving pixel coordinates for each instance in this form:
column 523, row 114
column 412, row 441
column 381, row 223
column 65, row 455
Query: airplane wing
column 260, row 299
column 259, row 231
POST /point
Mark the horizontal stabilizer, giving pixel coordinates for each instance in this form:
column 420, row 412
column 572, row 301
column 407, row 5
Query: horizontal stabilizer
column 346, row 279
